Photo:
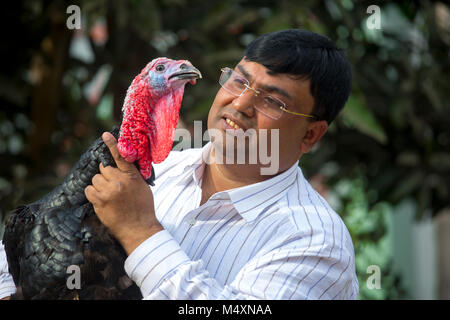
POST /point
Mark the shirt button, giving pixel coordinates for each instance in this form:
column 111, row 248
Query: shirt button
column 192, row 221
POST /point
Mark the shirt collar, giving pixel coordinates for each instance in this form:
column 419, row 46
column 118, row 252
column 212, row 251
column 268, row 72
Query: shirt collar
column 195, row 160
column 249, row 201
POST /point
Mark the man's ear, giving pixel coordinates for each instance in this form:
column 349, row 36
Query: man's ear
column 313, row 134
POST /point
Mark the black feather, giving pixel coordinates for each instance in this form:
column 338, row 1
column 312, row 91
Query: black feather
column 44, row 238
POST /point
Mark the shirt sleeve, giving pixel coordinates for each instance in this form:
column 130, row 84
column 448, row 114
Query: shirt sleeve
column 7, row 286
column 163, row 271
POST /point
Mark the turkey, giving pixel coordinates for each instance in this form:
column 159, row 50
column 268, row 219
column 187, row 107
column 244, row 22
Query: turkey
column 43, row 239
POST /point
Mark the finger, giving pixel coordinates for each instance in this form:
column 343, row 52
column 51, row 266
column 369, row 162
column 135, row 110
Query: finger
column 111, row 143
column 92, row 195
column 107, row 172
column 99, row 182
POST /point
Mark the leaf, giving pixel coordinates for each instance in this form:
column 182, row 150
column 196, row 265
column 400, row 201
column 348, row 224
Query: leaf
column 105, row 107
column 359, row 116
column 409, row 184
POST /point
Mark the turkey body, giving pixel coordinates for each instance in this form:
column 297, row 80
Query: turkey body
column 51, row 240
column 44, row 239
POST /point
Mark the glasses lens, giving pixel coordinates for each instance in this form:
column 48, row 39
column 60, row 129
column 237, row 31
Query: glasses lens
column 269, row 106
column 224, row 76
column 232, row 81
column 235, row 84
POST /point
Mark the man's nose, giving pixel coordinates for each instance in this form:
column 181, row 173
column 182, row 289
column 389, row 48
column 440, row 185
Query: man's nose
column 244, row 103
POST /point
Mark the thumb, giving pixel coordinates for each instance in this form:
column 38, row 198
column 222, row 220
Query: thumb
column 111, row 143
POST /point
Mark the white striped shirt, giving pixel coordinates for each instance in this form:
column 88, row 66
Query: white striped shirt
column 7, row 286
column 276, row 239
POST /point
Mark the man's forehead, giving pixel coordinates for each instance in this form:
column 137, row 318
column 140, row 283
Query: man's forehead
column 247, row 69
column 287, row 85
column 247, row 65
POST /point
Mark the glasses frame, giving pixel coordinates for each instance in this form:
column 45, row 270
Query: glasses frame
column 257, row 92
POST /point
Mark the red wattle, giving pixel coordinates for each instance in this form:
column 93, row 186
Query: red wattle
column 126, row 150
column 148, row 124
column 164, row 122
column 133, row 144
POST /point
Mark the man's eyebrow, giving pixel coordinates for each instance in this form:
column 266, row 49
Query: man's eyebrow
column 268, row 88
column 244, row 72
column 274, row 89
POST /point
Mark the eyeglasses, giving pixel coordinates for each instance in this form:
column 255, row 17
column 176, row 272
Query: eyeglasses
column 268, row 105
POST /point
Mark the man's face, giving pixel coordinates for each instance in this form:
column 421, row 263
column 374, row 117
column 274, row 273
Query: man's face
column 293, row 92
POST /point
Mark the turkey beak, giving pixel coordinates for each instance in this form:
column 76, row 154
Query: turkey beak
column 186, row 72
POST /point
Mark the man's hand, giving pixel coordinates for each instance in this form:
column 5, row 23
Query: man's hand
column 123, row 201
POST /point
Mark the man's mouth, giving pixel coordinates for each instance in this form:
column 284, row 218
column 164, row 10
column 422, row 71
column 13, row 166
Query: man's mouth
column 232, row 124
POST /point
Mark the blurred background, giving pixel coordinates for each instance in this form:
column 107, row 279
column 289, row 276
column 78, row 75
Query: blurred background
column 384, row 165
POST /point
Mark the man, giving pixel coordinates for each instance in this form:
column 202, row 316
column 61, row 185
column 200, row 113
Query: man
column 212, row 228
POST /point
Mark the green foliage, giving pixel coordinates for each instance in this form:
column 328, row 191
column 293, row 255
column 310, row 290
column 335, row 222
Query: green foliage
column 371, row 230
column 357, row 115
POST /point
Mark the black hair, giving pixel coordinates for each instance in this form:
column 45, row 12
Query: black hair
column 307, row 55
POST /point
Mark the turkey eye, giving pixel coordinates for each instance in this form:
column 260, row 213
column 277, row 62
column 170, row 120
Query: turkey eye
column 160, row 68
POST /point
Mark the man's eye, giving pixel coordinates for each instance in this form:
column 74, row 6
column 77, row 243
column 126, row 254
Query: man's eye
column 273, row 101
column 160, row 68
column 239, row 81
